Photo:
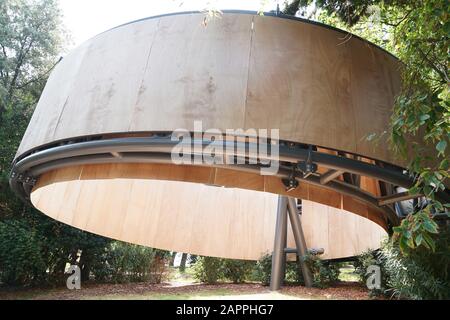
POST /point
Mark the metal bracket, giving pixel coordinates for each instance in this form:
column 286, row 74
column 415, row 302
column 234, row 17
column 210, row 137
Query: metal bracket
column 291, row 183
column 24, row 179
column 302, row 169
column 307, row 167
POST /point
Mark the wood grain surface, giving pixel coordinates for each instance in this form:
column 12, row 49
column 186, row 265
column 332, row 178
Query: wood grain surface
column 240, row 71
column 191, row 217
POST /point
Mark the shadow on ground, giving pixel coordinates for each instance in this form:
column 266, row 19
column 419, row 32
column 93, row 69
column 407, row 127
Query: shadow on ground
column 183, row 291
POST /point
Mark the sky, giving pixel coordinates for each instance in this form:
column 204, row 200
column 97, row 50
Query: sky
column 84, row 19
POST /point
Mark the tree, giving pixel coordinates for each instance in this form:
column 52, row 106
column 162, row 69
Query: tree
column 30, row 40
column 173, row 255
column 417, row 32
column 183, row 262
column 34, row 248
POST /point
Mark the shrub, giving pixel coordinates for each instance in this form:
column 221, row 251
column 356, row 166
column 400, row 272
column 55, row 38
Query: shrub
column 21, row 261
column 324, row 273
column 263, row 269
column 294, row 273
column 362, row 262
column 125, row 262
column 422, row 274
column 208, row 269
column 237, row 270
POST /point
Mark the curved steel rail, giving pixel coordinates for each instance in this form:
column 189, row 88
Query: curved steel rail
column 157, row 149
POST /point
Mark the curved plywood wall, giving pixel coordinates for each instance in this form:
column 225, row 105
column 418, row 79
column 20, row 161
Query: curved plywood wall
column 195, row 218
column 211, row 176
column 240, row 71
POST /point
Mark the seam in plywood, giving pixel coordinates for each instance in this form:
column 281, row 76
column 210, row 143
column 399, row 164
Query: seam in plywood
column 88, row 46
column 60, row 116
column 143, row 74
column 352, row 102
column 252, row 30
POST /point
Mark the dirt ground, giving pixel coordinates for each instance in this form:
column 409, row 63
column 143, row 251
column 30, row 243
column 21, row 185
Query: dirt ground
column 175, row 291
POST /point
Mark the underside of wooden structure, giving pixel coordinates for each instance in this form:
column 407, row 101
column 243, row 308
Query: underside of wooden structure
column 126, row 202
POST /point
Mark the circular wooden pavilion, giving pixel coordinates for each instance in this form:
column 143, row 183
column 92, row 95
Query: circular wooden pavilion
column 97, row 152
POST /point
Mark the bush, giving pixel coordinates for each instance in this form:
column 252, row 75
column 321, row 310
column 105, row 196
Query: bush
column 35, row 249
column 362, row 262
column 237, row 270
column 125, row 262
column 208, row 269
column 21, row 261
column 263, row 270
column 422, row 274
column 324, row 273
column 294, row 273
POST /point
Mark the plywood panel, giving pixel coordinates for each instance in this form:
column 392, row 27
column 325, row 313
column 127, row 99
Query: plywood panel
column 107, row 86
column 205, row 79
column 213, row 176
column 176, row 216
column 375, row 83
column 241, row 71
column 339, row 232
column 191, row 217
column 301, row 87
column 53, row 100
column 315, row 225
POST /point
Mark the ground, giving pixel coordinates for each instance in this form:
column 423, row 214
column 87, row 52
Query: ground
column 169, row 291
column 183, row 287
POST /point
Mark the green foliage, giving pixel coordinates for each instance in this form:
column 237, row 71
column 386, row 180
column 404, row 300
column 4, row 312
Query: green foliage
column 324, row 273
column 237, row 270
column 350, row 12
column 423, row 274
column 263, row 269
column 208, row 269
column 291, row 7
column 34, row 248
column 123, row 262
column 415, row 230
column 20, row 259
column 362, row 263
column 46, row 245
column 294, row 273
column 30, row 39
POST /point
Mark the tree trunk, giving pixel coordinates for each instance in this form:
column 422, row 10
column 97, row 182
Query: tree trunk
column 183, row 262
column 172, row 259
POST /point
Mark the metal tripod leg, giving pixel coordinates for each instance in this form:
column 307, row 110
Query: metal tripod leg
column 299, row 238
column 278, row 256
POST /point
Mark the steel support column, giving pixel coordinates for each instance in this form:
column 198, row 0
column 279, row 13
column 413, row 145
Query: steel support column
column 283, row 263
column 300, row 241
column 278, row 256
